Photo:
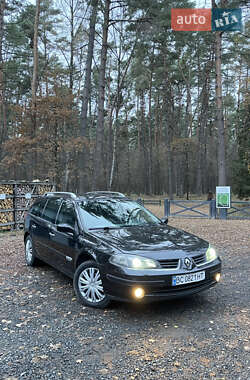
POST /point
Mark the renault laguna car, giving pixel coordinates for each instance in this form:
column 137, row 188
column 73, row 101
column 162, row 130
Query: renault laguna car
column 114, row 248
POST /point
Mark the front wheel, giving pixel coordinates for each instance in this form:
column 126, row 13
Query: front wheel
column 88, row 285
column 30, row 256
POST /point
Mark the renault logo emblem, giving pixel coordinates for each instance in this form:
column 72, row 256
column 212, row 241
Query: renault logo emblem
column 188, row 263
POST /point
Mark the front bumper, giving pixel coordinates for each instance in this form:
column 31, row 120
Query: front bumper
column 157, row 285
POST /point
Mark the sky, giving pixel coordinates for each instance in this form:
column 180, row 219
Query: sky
column 203, row 3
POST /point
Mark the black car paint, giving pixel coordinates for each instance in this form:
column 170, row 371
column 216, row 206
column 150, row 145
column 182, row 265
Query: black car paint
column 143, row 240
column 152, row 241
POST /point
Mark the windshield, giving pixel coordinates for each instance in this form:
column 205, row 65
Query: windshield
column 103, row 213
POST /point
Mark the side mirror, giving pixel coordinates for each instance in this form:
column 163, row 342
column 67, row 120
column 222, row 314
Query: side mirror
column 164, row 220
column 66, row 228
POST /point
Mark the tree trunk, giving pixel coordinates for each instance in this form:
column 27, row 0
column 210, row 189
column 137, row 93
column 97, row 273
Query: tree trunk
column 219, row 107
column 87, row 80
column 113, row 148
column 201, row 132
column 111, row 177
column 144, row 145
column 186, row 175
column 34, row 86
column 150, row 158
column 72, row 45
column 56, row 173
column 117, row 105
column 45, row 44
column 158, row 122
column 84, row 131
column 128, row 189
column 3, row 123
column 170, row 168
column 219, row 114
column 188, row 115
column 98, row 177
column 35, row 66
column 168, row 116
column 66, row 172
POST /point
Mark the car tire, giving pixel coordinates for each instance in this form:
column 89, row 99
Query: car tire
column 88, row 285
column 30, row 256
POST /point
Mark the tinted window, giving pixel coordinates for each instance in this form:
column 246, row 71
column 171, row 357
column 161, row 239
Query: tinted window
column 37, row 207
column 67, row 214
column 51, row 209
column 115, row 212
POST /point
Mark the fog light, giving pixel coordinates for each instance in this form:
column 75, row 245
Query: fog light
column 138, row 293
column 217, row 277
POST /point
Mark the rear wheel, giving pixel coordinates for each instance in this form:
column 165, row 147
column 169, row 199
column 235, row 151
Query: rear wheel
column 30, row 256
column 88, row 285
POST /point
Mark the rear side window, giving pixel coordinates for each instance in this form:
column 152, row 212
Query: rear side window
column 37, row 208
column 51, row 210
column 67, row 214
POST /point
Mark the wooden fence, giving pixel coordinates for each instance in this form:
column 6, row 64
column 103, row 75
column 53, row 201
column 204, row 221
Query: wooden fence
column 15, row 200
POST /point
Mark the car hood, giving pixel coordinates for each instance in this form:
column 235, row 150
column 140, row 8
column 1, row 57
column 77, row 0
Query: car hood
column 152, row 240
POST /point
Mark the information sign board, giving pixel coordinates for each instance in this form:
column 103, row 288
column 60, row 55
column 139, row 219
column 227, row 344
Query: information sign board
column 223, row 197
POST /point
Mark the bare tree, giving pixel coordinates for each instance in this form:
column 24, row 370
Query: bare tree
column 98, row 162
column 74, row 13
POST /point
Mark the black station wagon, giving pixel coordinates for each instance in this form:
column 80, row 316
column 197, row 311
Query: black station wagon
column 114, row 248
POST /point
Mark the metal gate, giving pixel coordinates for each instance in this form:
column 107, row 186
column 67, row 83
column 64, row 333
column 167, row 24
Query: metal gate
column 190, row 209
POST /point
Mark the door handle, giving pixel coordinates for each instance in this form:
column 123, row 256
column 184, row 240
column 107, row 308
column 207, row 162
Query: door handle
column 51, row 234
column 33, row 226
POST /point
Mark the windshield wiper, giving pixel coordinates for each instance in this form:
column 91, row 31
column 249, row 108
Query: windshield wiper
column 103, row 228
column 121, row 226
column 137, row 225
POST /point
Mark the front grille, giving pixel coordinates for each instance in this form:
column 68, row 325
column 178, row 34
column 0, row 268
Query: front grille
column 169, row 264
column 199, row 260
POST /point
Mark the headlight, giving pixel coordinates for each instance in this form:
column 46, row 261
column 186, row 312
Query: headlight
column 134, row 262
column 211, row 254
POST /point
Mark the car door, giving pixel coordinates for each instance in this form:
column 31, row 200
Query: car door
column 64, row 243
column 37, row 227
column 49, row 217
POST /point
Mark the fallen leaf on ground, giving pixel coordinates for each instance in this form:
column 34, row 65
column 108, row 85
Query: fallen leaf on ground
column 55, row 346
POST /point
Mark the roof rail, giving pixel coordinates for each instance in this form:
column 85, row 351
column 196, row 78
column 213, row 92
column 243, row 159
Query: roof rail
column 104, row 194
column 60, row 194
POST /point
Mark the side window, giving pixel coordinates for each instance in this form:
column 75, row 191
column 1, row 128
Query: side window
column 38, row 207
column 51, row 210
column 67, row 214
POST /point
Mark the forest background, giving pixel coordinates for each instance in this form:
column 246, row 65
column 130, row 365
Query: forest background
column 102, row 94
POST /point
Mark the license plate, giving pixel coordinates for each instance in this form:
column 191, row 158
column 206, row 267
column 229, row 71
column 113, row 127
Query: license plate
column 188, row 278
